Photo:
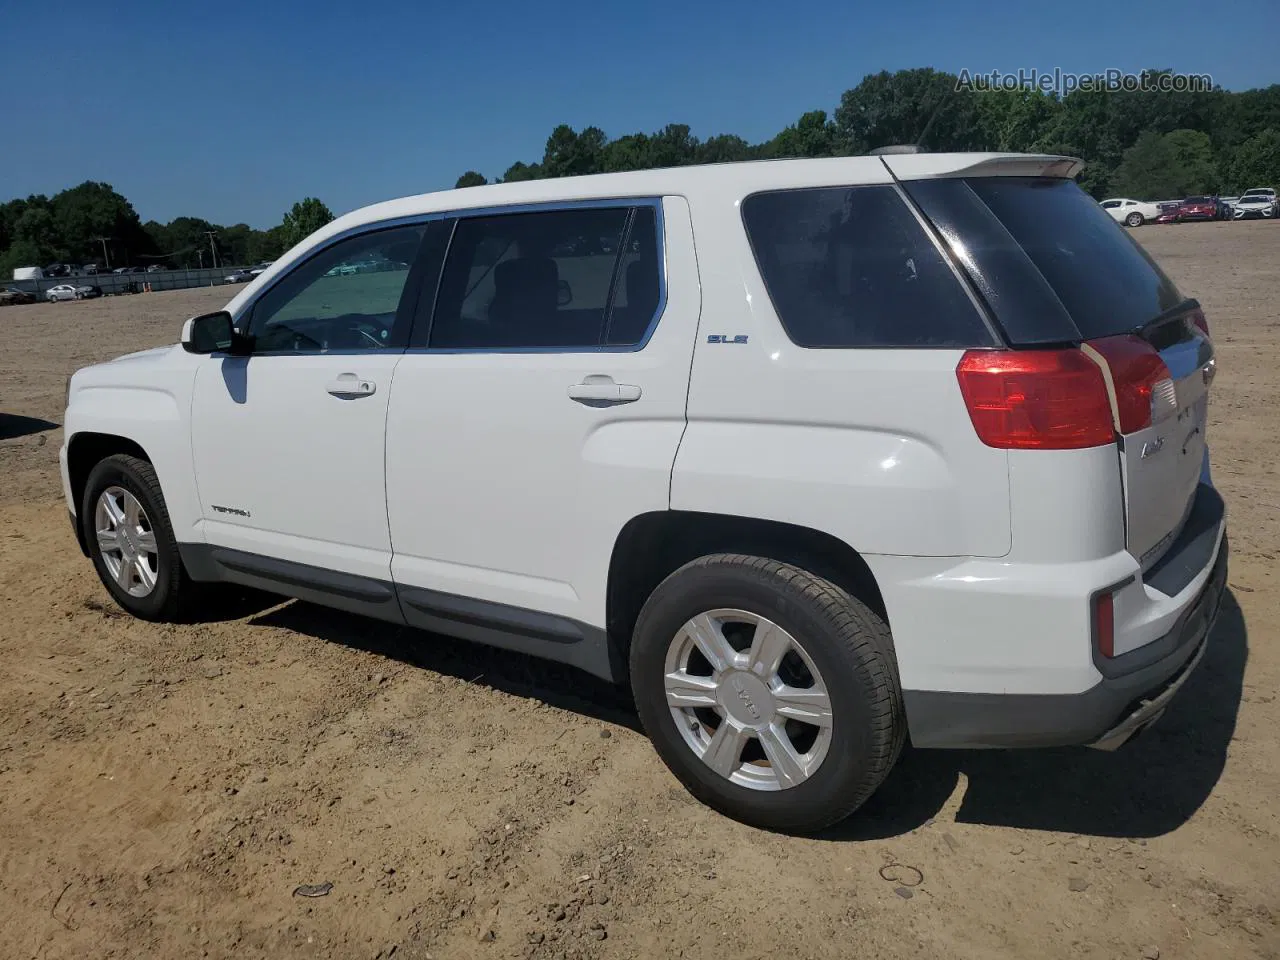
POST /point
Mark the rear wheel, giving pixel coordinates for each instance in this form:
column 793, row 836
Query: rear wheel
column 1134, row 219
column 131, row 541
column 772, row 694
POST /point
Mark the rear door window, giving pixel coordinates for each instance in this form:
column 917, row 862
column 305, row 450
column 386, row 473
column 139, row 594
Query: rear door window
column 852, row 267
column 1053, row 266
column 562, row 279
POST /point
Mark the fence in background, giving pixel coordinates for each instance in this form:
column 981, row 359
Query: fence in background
column 110, row 283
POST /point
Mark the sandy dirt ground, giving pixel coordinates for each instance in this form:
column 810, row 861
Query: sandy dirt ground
column 164, row 789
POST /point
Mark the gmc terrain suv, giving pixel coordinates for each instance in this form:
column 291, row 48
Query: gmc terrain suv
column 816, row 455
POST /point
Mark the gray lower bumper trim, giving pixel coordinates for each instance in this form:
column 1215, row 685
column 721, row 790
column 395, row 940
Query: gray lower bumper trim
column 1104, row 715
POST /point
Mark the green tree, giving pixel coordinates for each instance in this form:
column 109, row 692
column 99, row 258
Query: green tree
column 1177, row 164
column 92, row 210
column 1013, row 119
column 911, row 106
column 470, row 179
column 521, row 171
column 570, row 154
column 1256, row 162
column 304, row 219
column 724, row 148
column 813, row 135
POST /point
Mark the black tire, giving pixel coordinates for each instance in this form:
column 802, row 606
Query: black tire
column 848, row 642
column 1134, row 219
column 174, row 595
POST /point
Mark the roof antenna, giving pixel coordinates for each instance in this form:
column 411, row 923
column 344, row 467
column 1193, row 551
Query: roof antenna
column 916, row 147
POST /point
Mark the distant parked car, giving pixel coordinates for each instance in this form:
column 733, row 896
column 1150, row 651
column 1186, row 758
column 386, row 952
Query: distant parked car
column 88, row 291
column 1198, row 208
column 12, row 296
column 89, row 269
column 65, row 291
column 261, row 267
column 58, row 270
column 1256, row 202
column 157, row 267
column 1132, row 213
column 239, row 276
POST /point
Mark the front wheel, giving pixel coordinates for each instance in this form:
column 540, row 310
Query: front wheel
column 772, row 694
column 126, row 525
column 1134, row 219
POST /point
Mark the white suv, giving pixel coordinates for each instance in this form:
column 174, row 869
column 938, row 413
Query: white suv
column 816, row 455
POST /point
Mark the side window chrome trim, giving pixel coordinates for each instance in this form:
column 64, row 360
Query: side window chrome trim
column 553, row 206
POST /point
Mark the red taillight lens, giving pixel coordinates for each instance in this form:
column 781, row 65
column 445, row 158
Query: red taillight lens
column 1104, row 624
column 1036, row 399
column 1141, row 381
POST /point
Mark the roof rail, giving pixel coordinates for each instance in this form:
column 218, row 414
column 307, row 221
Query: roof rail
column 895, row 148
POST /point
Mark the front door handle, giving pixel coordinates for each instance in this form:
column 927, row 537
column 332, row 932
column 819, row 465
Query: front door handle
column 349, row 385
column 599, row 390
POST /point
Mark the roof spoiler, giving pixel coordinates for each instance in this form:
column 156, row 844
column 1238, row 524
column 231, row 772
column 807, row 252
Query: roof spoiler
column 924, row 166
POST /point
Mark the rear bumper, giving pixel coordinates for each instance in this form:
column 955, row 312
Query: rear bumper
column 1106, row 716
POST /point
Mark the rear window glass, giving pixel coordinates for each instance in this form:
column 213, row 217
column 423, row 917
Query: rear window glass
column 1104, row 278
column 852, row 267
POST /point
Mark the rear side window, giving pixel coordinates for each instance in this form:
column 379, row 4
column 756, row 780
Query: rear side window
column 852, row 267
column 1053, row 265
column 564, row 279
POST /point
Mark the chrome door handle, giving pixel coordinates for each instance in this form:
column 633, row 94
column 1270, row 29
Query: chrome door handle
column 601, row 391
column 350, row 385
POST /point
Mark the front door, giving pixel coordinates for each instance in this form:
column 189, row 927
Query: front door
column 289, row 443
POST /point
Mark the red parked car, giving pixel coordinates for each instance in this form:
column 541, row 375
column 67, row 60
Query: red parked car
column 1192, row 208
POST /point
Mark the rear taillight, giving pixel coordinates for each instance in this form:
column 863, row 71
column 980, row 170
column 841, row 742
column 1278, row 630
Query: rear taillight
column 1036, row 399
column 1144, row 391
column 1104, row 624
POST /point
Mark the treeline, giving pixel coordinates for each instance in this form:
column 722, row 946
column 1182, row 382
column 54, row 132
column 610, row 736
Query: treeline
column 92, row 223
column 1148, row 145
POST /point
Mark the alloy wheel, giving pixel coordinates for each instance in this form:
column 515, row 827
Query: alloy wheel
column 127, row 541
column 748, row 699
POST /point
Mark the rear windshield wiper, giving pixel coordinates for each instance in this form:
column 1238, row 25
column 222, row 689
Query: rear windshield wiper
column 1160, row 319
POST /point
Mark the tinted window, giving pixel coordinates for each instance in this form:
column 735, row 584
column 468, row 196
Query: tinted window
column 1110, row 204
column 851, row 267
column 345, row 298
column 1105, row 279
column 571, row 279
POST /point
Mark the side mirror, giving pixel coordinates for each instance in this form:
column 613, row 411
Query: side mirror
column 213, row 333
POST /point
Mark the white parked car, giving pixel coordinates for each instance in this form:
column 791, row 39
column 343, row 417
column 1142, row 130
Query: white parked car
column 1132, row 213
column 68, row 291
column 767, row 456
column 1257, row 202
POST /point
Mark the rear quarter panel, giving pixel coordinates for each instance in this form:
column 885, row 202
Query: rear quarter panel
column 872, row 446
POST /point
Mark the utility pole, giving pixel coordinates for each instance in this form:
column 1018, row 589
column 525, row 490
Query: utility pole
column 106, row 256
column 212, row 247
column 200, row 258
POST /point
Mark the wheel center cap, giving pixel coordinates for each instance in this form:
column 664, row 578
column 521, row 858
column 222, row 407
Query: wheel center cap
column 746, row 698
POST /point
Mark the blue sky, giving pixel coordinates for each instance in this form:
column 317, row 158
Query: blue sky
column 234, row 111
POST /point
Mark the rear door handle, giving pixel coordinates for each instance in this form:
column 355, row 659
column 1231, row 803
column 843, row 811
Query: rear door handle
column 350, row 385
column 599, row 390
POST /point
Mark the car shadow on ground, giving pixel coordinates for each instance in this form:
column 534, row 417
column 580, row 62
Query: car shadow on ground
column 523, row 676
column 1149, row 787
column 13, row 425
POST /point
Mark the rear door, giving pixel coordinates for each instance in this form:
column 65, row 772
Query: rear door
column 539, row 409
column 1055, row 269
